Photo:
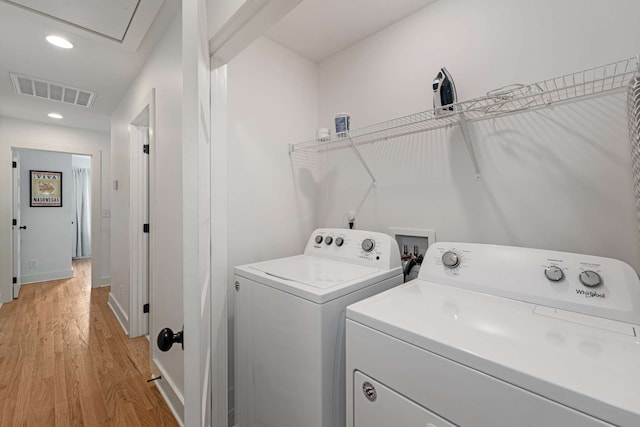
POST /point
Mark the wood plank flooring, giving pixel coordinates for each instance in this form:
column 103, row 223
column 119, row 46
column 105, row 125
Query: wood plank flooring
column 65, row 360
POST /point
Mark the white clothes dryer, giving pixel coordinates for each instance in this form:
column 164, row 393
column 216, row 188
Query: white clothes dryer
column 289, row 326
column 495, row 336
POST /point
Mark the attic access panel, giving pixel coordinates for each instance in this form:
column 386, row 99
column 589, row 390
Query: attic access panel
column 109, row 18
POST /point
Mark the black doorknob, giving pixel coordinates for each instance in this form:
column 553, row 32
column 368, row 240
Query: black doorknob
column 166, row 338
column 23, row 227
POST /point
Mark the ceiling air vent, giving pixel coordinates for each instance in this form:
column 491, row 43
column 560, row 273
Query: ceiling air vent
column 31, row 86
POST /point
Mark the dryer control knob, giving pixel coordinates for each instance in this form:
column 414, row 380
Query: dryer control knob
column 450, row 259
column 368, row 245
column 590, row 278
column 339, row 241
column 328, row 240
column 318, row 239
column 554, row 273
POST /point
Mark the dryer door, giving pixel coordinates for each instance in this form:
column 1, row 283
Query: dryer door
column 378, row 406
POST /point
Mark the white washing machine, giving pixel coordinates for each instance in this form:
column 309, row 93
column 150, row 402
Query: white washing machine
column 289, row 326
column 494, row 336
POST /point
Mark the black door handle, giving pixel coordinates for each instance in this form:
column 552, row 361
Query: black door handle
column 23, row 227
column 166, row 338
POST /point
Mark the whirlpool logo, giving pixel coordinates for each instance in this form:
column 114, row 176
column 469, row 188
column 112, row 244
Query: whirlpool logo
column 590, row 294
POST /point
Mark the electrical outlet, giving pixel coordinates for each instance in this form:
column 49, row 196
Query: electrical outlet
column 33, row 263
column 350, row 217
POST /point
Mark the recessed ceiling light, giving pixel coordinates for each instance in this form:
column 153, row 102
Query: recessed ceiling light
column 55, row 115
column 60, row 42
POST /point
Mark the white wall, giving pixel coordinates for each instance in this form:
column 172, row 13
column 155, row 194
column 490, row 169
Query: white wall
column 47, row 240
column 26, row 134
column 556, row 178
column 272, row 99
column 162, row 71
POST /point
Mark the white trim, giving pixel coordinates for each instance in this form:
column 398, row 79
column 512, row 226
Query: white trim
column 171, row 395
column 139, row 255
column 249, row 22
column 219, row 257
column 26, row 279
column 117, row 310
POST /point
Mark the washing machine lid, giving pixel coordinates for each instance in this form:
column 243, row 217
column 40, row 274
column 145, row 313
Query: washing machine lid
column 314, row 278
column 587, row 363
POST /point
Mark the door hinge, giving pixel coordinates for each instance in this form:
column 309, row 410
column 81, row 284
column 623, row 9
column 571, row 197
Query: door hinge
column 14, row 164
column 15, row 280
column 14, row 222
column 145, row 308
column 145, row 228
column 145, row 148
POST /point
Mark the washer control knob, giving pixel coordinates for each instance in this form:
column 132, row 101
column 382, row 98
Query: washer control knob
column 554, row 273
column 450, row 259
column 318, row 239
column 590, row 278
column 339, row 241
column 368, row 245
column 328, row 240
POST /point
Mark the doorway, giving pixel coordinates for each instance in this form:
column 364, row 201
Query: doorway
column 142, row 147
column 98, row 264
column 46, row 215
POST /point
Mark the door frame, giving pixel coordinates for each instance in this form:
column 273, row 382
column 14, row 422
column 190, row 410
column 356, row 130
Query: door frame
column 221, row 393
column 136, row 216
column 96, row 200
column 196, row 215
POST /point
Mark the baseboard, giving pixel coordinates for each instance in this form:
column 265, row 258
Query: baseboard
column 174, row 399
column 102, row 282
column 119, row 313
column 26, row 279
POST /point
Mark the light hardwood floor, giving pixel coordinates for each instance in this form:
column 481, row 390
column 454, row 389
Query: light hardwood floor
column 65, row 360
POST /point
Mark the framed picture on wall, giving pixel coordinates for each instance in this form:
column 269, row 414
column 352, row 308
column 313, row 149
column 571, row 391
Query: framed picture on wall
column 46, row 189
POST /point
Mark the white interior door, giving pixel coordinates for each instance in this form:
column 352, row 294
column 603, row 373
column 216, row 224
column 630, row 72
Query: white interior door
column 196, row 217
column 16, row 223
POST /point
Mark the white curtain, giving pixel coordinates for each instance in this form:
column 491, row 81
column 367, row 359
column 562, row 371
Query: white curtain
column 82, row 213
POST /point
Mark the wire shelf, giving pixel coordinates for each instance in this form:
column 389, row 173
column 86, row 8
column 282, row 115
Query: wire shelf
column 507, row 100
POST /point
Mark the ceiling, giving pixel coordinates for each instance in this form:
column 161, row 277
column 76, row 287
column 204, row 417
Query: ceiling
column 318, row 29
column 112, row 40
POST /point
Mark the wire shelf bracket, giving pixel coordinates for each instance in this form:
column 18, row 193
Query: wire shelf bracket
column 364, row 163
column 467, row 140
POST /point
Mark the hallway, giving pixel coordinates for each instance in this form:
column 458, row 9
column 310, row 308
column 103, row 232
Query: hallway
column 65, row 360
